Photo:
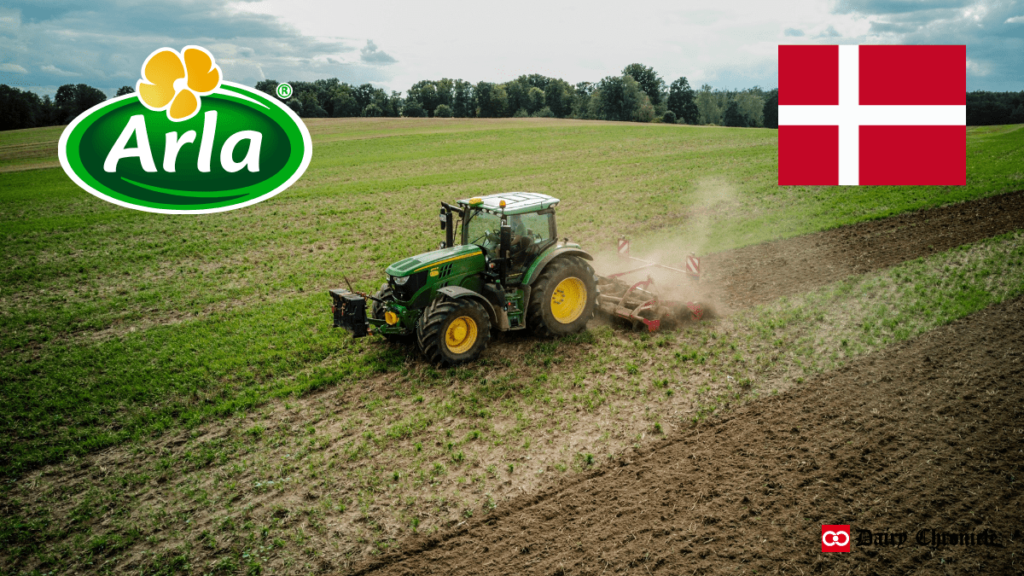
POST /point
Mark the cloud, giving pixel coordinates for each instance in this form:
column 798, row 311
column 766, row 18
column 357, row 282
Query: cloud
column 729, row 45
column 50, row 68
column 890, row 28
column 992, row 47
column 104, row 42
column 897, row 6
column 371, row 55
column 977, row 69
column 12, row 68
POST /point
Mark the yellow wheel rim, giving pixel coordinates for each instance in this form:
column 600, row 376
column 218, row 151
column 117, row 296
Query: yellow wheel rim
column 460, row 335
column 568, row 300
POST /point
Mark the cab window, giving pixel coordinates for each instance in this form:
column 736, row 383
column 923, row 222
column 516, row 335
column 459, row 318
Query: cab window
column 537, row 227
column 482, row 229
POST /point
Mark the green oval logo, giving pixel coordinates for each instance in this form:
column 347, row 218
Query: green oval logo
column 186, row 151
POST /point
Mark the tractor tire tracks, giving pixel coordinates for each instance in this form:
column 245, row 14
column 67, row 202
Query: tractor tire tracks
column 925, row 435
column 765, row 272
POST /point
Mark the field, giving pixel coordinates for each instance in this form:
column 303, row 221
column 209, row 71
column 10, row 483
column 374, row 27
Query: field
column 177, row 402
column 903, row 458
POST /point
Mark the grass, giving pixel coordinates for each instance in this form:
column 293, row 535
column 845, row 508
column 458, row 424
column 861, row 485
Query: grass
column 172, row 336
column 119, row 324
column 460, row 464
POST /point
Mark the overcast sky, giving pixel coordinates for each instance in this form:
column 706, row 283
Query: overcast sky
column 727, row 44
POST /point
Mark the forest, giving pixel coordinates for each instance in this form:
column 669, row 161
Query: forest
column 638, row 94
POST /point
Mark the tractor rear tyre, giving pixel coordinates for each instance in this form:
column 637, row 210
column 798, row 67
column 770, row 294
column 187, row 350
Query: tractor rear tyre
column 377, row 311
column 453, row 331
column 563, row 298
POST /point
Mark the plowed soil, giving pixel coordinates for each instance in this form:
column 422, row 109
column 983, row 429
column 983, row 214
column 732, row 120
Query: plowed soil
column 925, row 436
column 765, row 272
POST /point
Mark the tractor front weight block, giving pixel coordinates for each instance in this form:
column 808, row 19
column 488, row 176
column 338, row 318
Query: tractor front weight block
column 349, row 312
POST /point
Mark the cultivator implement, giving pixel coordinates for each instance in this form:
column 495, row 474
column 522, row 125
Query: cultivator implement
column 638, row 301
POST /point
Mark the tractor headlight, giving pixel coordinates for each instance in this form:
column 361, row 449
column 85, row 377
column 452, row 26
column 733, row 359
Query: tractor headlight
column 405, row 287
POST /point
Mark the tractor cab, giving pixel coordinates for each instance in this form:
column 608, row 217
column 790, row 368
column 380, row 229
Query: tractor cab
column 527, row 218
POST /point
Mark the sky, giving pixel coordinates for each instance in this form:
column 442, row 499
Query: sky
column 729, row 44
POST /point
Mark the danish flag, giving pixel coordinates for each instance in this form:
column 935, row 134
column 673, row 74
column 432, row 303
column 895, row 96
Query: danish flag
column 872, row 115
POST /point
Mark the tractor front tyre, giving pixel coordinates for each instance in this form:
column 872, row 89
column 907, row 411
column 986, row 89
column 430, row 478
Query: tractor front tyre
column 453, row 331
column 563, row 298
column 377, row 311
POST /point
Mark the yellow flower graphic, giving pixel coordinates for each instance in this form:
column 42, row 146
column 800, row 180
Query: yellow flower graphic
column 174, row 82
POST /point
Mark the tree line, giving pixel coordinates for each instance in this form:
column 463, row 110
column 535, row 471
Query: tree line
column 24, row 109
column 638, row 94
column 988, row 108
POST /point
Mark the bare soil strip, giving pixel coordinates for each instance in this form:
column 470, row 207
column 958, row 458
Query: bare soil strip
column 766, row 272
column 926, row 435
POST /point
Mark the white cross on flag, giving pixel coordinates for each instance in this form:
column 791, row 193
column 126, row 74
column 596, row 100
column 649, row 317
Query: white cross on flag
column 872, row 115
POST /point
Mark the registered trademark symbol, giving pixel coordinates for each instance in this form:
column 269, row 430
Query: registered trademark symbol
column 284, row 91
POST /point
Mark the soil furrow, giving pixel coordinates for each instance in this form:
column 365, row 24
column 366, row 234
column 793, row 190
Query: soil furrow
column 922, row 436
column 765, row 272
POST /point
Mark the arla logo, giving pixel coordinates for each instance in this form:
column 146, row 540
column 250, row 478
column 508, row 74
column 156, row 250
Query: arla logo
column 186, row 142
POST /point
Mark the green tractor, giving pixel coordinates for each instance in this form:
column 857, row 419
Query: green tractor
column 508, row 271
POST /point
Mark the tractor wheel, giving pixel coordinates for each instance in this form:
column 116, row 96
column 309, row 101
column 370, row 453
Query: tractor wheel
column 453, row 331
column 377, row 311
column 563, row 297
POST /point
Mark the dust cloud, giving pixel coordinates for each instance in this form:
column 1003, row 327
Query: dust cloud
column 671, row 246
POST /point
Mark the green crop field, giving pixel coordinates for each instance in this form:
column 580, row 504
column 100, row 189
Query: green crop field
column 119, row 329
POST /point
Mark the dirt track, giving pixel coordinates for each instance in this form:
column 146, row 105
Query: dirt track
column 765, row 272
column 927, row 435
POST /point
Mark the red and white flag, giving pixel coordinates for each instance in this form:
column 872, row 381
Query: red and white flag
column 872, row 115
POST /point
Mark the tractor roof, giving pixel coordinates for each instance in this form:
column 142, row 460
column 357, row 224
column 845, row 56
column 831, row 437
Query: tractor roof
column 515, row 202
